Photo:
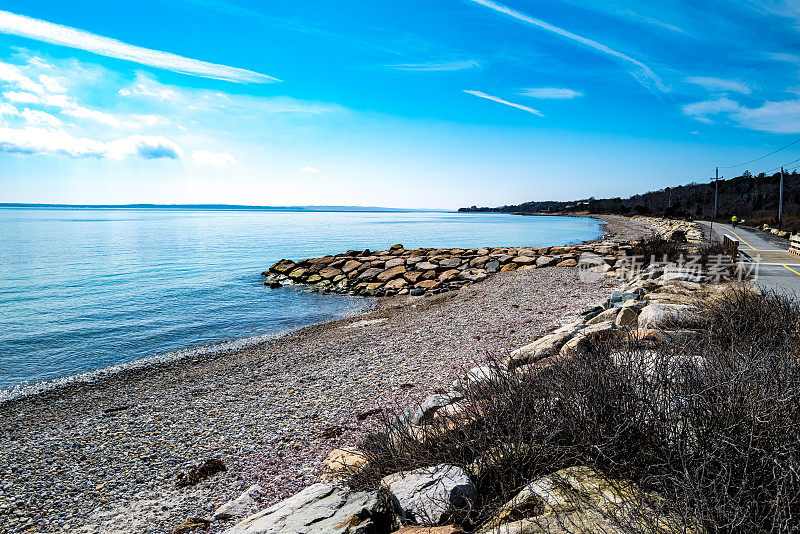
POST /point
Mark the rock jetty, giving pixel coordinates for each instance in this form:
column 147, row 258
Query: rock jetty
column 398, row 271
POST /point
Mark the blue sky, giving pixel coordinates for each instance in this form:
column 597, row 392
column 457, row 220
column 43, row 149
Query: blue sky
column 403, row 104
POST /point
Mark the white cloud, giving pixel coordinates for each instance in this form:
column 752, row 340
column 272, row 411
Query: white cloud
column 57, row 34
column 51, row 84
column 642, row 72
column 57, row 142
column 308, row 170
column 80, row 112
column 207, row 157
column 775, row 117
column 720, row 84
column 22, row 98
column 438, row 66
column 550, row 93
column 39, row 118
column 12, row 74
column 480, row 94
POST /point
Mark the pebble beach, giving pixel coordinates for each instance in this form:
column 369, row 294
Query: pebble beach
column 104, row 456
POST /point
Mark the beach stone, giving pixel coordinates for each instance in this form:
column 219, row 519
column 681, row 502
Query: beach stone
column 413, row 276
column 579, row 500
column 452, row 274
column 321, row 509
column 389, row 274
column 370, row 274
column 524, row 260
column 350, row 266
column 545, row 261
column 684, row 277
column 243, row 505
column 427, row 284
column 394, row 262
column 571, row 262
column 417, row 292
column 429, row 275
column 479, row 262
column 544, row 347
column 426, row 266
column 430, row 405
column 618, row 297
column 427, row 496
column 508, row 267
column 659, row 316
column 298, row 273
column 606, row 315
column 397, row 283
column 473, row 275
column 282, row 266
column 329, row 272
column 342, row 463
column 450, row 263
column 492, row 266
column 627, row 317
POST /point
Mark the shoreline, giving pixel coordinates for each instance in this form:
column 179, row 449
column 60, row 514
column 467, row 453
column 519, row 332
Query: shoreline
column 211, row 349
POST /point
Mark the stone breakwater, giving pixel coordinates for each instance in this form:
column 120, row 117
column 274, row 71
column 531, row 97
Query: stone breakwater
column 398, row 271
column 673, row 229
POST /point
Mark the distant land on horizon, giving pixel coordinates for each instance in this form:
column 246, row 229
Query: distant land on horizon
column 215, row 207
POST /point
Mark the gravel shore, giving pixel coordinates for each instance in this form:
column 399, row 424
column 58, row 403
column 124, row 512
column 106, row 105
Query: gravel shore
column 103, row 456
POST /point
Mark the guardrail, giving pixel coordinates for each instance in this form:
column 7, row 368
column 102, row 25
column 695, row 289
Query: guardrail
column 732, row 248
column 794, row 244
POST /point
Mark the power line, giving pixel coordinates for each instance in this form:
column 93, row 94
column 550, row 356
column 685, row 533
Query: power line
column 760, row 157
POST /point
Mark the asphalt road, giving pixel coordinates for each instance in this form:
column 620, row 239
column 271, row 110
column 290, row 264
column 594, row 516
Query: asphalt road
column 776, row 268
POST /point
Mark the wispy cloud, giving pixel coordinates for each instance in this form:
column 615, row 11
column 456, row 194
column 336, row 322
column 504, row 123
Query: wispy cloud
column 438, row 66
column 311, row 170
column 57, row 34
column 720, row 84
column 774, row 117
column 641, row 72
column 554, row 93
column 57, row 142
column 499, row 100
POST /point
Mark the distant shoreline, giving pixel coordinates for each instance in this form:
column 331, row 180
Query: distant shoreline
column 222, row 207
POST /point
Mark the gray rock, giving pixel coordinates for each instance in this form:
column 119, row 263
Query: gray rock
column 370, row 274
column 548, row 345
column 427, row 496
column 545, row 261
column 321, row 509
column 617, row 298
column 394, row 262
column 425, row 266
column 684, row 277
column 473, row 275
column 430, row 405
column 662, row 315
column 242, row 505
column 450, row 263
column 492, row 266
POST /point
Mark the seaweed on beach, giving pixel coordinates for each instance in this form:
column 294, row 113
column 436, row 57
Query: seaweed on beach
column 207, row 469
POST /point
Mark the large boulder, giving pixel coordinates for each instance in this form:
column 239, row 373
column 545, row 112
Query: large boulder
column 342, row 463
column 370, row 274
column 429, row 495
column 391, row 273
column 578, row 500
column 473, row 275
column 321, row 509
column 545, row 261
column 656, row 316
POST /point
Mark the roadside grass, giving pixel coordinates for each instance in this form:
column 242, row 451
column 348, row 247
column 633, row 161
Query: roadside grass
column 708, row 427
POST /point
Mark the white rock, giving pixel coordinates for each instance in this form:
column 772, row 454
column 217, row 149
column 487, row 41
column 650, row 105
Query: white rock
column 240, row 506
column 427, row 496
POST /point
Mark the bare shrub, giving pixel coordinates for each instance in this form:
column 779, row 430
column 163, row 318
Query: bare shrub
column 711, row 426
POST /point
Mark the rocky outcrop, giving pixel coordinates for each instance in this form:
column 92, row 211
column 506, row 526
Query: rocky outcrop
column 420, row 271
column 241, row 506
column 322, row 509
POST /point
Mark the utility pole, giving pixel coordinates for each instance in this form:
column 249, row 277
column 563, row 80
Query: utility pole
column 714, row 214
column 780, row 203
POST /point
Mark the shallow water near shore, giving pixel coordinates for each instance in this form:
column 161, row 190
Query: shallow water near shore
column 87, row 289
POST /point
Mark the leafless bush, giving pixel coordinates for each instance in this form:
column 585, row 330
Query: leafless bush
column 711, row 426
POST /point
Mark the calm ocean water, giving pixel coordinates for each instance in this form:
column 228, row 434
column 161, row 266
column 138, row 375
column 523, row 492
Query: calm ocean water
column 86, row 289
